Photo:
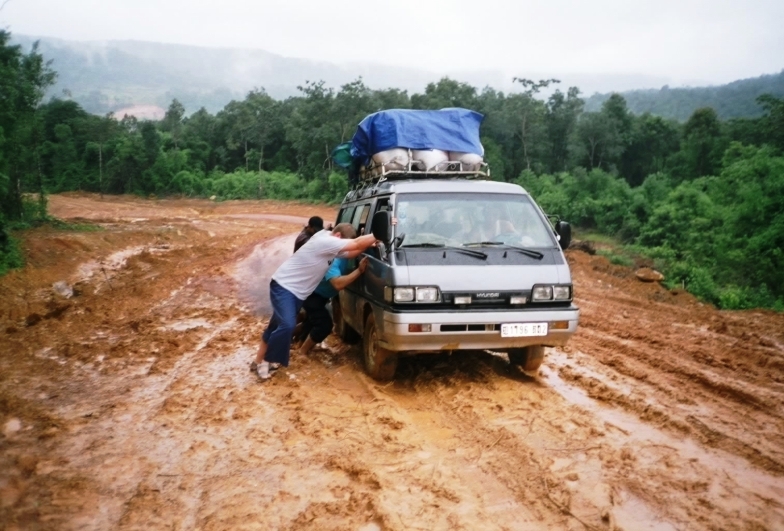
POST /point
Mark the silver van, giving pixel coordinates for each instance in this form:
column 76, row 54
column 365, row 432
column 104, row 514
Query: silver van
column 466, row 264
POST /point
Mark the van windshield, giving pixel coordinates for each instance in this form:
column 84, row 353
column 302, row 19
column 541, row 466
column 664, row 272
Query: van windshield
column 460, row 219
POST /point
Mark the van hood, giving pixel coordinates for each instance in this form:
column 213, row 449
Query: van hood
column 458, row 278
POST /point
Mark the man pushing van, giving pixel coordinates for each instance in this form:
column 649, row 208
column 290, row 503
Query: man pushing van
column 293, row 282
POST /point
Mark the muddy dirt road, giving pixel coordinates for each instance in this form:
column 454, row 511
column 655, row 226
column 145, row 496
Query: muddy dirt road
column 126, row 401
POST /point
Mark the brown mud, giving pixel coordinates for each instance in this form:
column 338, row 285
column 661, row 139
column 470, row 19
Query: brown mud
column 126, row 401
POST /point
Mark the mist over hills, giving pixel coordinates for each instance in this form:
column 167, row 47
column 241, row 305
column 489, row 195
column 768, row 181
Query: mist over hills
column 109, row 76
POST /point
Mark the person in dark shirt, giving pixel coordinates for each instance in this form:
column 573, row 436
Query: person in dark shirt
column 314, row 225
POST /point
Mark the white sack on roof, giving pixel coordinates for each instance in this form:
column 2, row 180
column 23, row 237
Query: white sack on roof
column 470, row 161
column 392, row 159
column 428, row 159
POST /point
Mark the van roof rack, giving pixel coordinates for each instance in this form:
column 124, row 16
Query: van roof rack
column 446, row 170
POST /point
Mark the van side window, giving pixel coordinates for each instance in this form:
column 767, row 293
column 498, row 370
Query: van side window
column 363, row 220
column 346, row 214
column 360, row 218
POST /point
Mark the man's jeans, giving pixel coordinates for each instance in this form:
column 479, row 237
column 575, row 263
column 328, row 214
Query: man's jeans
column 277, row 335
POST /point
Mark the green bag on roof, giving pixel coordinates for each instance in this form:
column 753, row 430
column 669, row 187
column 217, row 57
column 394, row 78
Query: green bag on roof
column 341, row 155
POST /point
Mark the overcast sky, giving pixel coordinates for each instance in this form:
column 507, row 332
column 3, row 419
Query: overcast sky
column 683, row 41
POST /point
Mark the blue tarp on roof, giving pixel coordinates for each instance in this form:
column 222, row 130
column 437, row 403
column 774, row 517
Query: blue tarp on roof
column 452, row 129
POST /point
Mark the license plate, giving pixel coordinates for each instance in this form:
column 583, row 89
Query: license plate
column 523, row 329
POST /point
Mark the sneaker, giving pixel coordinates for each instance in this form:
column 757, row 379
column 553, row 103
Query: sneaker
column 265, row 370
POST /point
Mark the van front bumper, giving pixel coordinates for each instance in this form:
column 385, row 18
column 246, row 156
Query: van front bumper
column 473, row 330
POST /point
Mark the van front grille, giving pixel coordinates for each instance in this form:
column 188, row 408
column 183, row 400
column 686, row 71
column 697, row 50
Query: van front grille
column 469, row 327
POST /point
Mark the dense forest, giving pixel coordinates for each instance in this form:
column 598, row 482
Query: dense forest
column 702, row 198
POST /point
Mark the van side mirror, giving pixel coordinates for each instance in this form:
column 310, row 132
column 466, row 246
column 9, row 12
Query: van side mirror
column 564, row 232
column 382, row 221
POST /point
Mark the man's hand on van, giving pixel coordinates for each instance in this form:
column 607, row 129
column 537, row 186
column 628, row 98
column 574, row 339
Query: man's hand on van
column 362, row 265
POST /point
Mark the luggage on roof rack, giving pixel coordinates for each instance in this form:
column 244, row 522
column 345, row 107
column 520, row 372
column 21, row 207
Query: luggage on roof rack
column 410, row 167
column 414, row 143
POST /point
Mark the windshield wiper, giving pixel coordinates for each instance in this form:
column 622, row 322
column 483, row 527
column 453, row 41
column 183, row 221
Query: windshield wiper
column 523, row 250
column 430, row 245
column 472, row 244
column 424, row 244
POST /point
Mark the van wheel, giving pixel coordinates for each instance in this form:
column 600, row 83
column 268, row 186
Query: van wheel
column 529, row 359
column 342, row 329
column 380, row 363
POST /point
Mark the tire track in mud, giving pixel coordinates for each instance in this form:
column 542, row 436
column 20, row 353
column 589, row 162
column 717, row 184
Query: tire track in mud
column 689, row 358
column 515, row 437
column 124, row 448
column 627, row 461
column 669, row 401
column 677, row 363
column 418, row 476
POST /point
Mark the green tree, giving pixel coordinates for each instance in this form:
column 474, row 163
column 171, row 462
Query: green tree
column 772, row 124
column 67, row 168
column 601, row 138
column 750, row 187
column 23, row 82
column 353, row 102
column 313, row 130
column 563, row 111
column 595, row 139
column 264, row 121
column 653, row 141
column 173, row 120
column 702, row 145
column 100, row 130
column 530, row 114
column 446, row 93
column 391, row 98
column 199, row 135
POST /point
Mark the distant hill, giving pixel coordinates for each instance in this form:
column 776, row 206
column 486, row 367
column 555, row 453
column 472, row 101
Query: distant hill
column 733, row 100
column 108, row 76
column 117, row 75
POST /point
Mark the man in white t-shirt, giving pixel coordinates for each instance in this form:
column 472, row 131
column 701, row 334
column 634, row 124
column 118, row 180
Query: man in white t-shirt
column 294, row 280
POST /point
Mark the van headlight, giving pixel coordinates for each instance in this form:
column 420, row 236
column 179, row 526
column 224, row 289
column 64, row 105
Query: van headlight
column 551, row 292
column 423, row 294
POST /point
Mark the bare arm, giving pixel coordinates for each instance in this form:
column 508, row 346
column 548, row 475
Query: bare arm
column 352, row 254
column 358, row 244
column 342, row 282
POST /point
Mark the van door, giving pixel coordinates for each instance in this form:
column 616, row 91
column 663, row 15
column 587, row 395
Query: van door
column 370, row 286
column 349, row 297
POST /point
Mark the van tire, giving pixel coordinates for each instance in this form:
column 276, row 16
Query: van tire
column 529, row 359
column 341, row 328
column 380, row 363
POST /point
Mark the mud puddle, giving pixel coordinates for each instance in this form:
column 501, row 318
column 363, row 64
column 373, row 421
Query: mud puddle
column 734, row 478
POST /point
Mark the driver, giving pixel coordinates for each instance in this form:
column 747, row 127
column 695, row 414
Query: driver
column 407, row 222
column 492, row 225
